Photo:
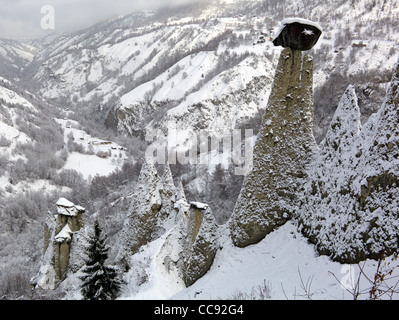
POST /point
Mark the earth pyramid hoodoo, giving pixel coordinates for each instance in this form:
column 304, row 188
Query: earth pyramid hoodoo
column 285, row 144
column 62, row 234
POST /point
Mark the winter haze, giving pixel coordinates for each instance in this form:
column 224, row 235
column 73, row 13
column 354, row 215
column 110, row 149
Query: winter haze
column 21, row 19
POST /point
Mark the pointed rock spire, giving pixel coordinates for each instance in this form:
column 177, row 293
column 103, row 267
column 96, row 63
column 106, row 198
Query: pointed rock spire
column 351, row 198
column 141, row 218
column 345, row 125
column 201, row 245
column 283, row 149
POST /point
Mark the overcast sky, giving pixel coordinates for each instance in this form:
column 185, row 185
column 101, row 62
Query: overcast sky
column 23, row 19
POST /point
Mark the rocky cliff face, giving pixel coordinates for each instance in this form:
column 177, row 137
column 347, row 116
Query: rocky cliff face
column 212, row 106
column 200, row 244
column 159, row 211
column 190, row 248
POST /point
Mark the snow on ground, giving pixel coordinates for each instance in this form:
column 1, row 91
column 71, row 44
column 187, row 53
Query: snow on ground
column 284, row 261
column 148, row 268
column 90, row 165
column 281, row 259
column 43, row 185
column 12, row 134
column 225, row 84
column 4, row 180
column 192, row 67
column 10, row 97
column 376, row 53
column 10, row 50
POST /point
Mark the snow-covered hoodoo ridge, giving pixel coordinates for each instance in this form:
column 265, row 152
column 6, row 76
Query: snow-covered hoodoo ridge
column 353, row 184
column 343, row 194
column 159, row 211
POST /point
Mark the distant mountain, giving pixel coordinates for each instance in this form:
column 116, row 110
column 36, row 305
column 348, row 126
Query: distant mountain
column 14, row 56
column 128, row 70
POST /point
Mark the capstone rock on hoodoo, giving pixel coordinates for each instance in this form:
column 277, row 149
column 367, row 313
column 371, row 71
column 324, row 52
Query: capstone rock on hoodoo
column 298, row 34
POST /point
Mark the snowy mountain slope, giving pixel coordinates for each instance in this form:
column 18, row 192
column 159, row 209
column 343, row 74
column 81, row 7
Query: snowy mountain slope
column 8, row 117
column 225, row 102
column 133, row 66
column 13, row 106
column 98, row 73
column 14, row 56
column 126, row 51
column 282, row 266
column 10, row 135
column 24, row 125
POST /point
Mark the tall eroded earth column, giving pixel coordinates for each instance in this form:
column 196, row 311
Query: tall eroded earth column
column 283, row 149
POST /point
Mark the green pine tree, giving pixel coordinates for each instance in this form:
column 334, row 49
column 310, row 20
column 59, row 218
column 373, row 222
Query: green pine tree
column 100, row 282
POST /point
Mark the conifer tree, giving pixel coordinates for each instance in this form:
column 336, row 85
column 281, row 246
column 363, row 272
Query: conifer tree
column 100, row 282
